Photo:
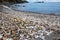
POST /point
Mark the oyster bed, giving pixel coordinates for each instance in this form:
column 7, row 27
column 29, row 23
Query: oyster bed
column 16, row 28
column 13, row 28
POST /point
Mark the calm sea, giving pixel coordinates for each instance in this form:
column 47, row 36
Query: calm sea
column 47, row 7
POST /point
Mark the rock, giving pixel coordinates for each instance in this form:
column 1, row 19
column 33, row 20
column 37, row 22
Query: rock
column 53, row 36
column 6, row 9
column 37, row 39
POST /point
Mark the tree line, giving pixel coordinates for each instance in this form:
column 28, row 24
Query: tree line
column 14, row 1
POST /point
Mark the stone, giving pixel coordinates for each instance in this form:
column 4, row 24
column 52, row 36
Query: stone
column 53, row 36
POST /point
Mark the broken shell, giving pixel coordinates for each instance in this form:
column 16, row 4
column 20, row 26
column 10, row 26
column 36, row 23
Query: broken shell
column 9, row 39
column 1, row 36
column 13, row 32
column 23, row 27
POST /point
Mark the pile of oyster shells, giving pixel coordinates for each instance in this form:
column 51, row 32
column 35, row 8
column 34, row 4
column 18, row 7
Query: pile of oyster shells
column 16, row 28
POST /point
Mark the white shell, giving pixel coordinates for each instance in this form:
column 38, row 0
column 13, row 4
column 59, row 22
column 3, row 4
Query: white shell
column 0, row 36
column 9, row 39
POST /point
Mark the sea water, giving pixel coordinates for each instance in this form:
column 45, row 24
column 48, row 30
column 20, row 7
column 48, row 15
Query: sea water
column 46, row 7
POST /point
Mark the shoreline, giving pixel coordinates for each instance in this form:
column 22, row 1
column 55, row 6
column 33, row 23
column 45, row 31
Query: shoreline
column 27, row 12
column 38, row 13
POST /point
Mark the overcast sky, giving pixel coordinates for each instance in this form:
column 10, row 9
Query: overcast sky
column 44, row 0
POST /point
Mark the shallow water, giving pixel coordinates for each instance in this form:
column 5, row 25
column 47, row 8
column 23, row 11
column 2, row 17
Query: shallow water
column 47, row 7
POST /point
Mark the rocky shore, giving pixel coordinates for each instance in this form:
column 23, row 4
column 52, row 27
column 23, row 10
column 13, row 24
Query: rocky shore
column 28, row 26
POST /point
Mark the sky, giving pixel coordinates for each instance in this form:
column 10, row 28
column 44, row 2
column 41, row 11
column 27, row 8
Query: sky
column 44, row 0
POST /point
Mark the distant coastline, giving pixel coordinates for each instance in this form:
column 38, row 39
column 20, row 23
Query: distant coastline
column 39, row 2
